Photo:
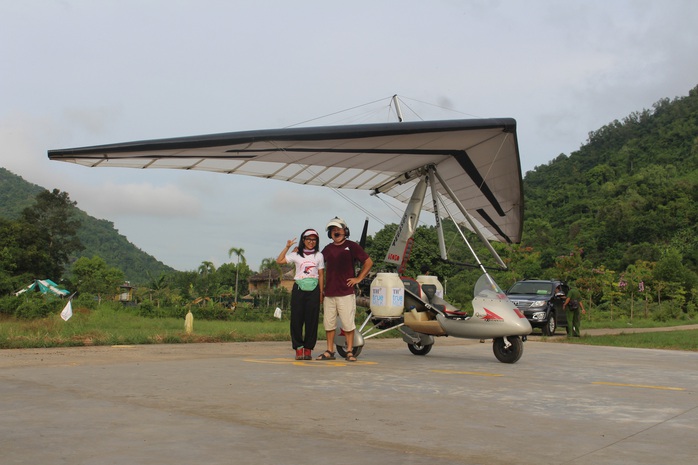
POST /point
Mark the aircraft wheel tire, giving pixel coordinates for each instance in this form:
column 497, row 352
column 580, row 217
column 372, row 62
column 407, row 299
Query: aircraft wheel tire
column 419, row 349
column 342, row 351
column 509, row 354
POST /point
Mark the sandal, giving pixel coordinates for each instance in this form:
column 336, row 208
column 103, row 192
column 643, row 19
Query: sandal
column 326, row 355
column 350, row 357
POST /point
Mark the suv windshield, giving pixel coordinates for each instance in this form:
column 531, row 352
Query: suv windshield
column 531, row 288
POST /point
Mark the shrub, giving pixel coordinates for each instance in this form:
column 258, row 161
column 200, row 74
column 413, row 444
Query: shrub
column 146, row 308
column 86, row 300
column 38, row 306
column 9, row 304
column 667, row 312
column 212, row 312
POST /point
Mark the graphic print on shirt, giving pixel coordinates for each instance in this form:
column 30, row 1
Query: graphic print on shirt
column 309, row 269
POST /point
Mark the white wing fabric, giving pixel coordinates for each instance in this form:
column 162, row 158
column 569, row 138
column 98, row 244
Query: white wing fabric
column 478, row 159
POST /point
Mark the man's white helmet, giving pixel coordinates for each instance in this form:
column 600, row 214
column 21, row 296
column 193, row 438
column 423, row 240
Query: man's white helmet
column 338, row 222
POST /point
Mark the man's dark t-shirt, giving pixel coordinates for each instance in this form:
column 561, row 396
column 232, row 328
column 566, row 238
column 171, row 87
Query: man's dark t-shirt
column 339, row 266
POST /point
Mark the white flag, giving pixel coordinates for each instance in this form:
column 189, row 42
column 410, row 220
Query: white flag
column 67, row 311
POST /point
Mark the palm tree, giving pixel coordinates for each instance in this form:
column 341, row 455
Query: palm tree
column 159, row 286
column 270, row 264
column 206, row 271
column 239, row 253
column 206, row 268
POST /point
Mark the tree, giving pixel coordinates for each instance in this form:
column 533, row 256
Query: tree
column 158, row 287
column 53, row 218
column 94, row 276
column 678, row 280
column 635, row 276
column 206, row 283
column 239, row 253
column 226, row 276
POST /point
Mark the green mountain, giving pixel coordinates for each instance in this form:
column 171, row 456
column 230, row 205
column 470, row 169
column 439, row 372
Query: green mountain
column 629, row 193
column 99, row 237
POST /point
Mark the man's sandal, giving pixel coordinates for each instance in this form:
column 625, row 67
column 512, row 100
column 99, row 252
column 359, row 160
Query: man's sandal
column 350, row 357
column 326, row 355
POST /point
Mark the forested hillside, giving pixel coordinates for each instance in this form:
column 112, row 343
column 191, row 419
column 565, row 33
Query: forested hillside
column 630, row 193
column 99, row 237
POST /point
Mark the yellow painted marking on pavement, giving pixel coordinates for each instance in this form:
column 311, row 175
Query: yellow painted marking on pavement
column 474, row 373
column 313, row 363
column 644, row 386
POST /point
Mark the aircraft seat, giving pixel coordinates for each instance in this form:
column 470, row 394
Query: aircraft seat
column 448, row 310
column 455, row 313
column 411, row 285
column 430, row 291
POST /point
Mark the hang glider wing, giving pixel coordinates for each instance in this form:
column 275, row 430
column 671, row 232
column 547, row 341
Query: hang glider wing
column 478, row 159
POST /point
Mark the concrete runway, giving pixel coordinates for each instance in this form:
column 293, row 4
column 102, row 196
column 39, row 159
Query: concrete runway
column 251, row 403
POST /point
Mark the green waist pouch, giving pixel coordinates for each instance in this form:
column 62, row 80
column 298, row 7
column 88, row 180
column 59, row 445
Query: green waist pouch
column 307, row 284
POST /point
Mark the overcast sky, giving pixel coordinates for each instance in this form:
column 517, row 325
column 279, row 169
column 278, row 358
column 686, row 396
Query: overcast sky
column 86, row 72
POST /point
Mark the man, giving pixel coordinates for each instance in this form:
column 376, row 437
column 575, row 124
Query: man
column 572, row 305
column 340, row 300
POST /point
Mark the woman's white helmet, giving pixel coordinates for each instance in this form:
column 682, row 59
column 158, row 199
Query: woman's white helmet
column 338, row 222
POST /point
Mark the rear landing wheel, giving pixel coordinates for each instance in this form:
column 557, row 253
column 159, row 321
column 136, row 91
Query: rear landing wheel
column 342, row 351
column 419, row 349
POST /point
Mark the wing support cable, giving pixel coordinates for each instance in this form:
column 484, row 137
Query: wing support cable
column 468, row 217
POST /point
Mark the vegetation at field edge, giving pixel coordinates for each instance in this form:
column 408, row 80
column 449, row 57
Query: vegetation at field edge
column 671, row 340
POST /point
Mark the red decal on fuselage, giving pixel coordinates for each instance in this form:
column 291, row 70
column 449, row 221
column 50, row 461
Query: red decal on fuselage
column 491, row 316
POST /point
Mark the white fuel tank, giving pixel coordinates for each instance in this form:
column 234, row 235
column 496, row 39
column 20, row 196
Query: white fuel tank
column 387, row 295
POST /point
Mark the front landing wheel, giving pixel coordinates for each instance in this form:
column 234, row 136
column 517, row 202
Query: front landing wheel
column 510, row 354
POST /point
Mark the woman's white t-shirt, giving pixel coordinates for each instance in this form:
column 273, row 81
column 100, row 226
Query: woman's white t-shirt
column 307, row 266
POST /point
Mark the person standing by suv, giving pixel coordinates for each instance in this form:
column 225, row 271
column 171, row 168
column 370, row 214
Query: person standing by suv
column 572, row 305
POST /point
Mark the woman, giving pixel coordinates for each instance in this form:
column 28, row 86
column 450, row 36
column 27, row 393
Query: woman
column 307, row 291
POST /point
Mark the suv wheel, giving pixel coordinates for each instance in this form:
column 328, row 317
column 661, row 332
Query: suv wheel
column 549, row 329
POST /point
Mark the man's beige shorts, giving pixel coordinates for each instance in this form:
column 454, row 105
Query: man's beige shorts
column 345, row 307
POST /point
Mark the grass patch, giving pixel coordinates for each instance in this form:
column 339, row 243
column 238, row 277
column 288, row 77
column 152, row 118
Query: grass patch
column 636, row 323
column 671, row 340
column 112, row 327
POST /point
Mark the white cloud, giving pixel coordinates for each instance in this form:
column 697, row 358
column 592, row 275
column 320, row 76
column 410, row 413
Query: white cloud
column 141, row 199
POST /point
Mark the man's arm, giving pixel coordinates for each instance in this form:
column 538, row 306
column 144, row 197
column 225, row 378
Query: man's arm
column 365, row 268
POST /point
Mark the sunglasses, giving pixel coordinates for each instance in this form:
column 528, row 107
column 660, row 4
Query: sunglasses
column 311, row 239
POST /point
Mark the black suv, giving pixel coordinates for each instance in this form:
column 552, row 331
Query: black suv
column 541, row 301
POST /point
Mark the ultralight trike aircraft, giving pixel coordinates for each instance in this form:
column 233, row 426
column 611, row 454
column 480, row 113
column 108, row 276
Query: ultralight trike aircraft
column 467, row 170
